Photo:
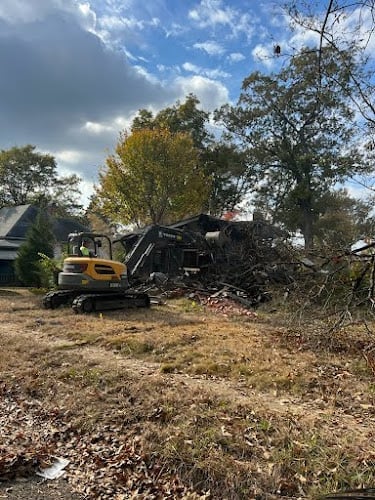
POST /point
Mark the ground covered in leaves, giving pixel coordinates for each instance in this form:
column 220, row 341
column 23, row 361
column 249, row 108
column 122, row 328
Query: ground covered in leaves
column 181, row 401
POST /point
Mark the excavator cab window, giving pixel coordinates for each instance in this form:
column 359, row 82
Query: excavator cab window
column 99, row 245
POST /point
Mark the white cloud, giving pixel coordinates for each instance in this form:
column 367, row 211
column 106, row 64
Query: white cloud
column 264, row 54
column 356, row 26
column 214, row 14
column 191, row 67
column 67, row 161
column 212, row 48
column 210, row 73
column 87, row 17
column 247, row 25
column 347, row 24
column 87, row 189
column 175, row 29
column 70, row 157
column 146, row 74
column 121, row 123
column 210, row 13
column 216, row 73
column 109, row 128
column 22, row 11
column 96, row 128
column 115, row 24
column 26, row 11
column 211, row 94
column 302, row 38
column 236, row 57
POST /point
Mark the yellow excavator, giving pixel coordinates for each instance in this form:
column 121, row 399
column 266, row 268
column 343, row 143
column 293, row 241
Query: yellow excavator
column 91, row 280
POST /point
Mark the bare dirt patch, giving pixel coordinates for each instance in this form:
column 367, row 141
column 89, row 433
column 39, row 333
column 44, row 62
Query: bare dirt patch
column 177, row 402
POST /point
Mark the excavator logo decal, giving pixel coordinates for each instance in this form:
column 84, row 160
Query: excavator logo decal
column 163, row 234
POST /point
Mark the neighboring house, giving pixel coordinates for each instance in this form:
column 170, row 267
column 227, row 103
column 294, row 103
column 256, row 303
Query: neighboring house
column 14, row 224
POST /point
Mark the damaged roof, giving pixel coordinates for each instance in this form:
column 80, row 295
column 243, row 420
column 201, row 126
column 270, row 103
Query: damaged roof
column 201, row 223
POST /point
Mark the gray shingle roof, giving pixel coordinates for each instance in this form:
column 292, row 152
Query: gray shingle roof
column 15, row 222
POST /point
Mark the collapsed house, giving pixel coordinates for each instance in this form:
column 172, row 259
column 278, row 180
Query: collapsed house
column 242, row 255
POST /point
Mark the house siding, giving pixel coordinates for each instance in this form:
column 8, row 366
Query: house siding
column 7, row 274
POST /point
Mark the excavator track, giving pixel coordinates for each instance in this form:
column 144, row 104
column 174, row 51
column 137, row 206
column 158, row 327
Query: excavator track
column 57, row 298
column 87, row 303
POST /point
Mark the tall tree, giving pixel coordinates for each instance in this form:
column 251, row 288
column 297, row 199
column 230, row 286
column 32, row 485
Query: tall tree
column 227, row 166
column 154, row 177
column 24, row 172
column 300, row 136
column 221, row 161
column 27, row 176
column 345, row 27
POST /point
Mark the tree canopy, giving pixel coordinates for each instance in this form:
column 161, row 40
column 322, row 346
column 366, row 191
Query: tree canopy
column 343, row 220
column 28, row 176
column 226, row 164
column 300, row 137
column 344, row 27
column 154, row 177
column 182, row 117
column 222, row 162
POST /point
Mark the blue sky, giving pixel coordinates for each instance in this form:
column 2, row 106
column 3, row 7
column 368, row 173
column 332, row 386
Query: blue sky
column 74, row 73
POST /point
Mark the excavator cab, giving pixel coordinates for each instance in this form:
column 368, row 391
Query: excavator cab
column 94, row 272
column 99, row 245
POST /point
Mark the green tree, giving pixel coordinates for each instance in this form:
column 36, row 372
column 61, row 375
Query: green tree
column 300, row 138
column 66, row 195
column 227, row 167
column 96, row 221
column 154, row 177
column 182, row 117
column 39, row 240
column 27, row 176
column 223, row 163
column 343, row 220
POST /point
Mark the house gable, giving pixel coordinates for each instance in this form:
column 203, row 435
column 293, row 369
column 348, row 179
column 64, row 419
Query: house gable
column 15, row 221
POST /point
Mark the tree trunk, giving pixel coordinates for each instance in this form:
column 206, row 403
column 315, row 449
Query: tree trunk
column 307, row 228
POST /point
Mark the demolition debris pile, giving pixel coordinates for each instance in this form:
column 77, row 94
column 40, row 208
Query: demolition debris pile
column 210, row 257
column 254, row 258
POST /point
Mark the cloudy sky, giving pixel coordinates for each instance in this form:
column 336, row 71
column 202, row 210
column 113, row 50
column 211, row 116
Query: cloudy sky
column 74, row 73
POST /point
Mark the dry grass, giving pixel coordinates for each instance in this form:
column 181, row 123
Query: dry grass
column 240, row 408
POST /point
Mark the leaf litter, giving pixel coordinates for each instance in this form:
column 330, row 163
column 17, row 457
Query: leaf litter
column 106, row 445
